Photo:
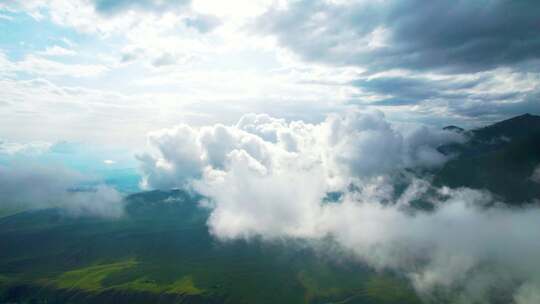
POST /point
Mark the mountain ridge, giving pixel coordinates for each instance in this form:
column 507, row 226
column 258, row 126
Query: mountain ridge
column 500, row 157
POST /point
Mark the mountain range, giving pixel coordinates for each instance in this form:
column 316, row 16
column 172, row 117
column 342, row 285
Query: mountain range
column 162, row 252
column 501, row 158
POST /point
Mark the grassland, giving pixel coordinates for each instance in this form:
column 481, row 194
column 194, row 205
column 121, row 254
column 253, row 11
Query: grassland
column 90, row 278
column 162, row 251
column 386, row 289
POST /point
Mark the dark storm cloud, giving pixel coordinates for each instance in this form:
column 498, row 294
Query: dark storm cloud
column 111, row 7
column 450, row 36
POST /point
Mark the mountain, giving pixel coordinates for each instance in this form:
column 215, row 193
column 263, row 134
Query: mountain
column 516, row 128
column 162, row 252
column 500, row 158
column 454, row 129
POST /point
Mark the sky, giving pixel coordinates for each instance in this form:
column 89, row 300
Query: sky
column 108, row 72
column 266, row 107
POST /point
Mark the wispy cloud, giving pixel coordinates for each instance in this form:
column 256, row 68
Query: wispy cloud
column 6, row 17
column 56, row 50
column 34, row 186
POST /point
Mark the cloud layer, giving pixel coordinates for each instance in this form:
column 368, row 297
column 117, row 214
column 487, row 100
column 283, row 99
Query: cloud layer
column 118, row 6
column 114, row 69
column 417, row 35
column 34, row 186
column 271, row 179
column 343, row 147
column 268, row 177
column 461, row 58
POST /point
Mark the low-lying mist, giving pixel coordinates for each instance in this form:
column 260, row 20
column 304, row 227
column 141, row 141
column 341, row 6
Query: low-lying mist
column 28, row 185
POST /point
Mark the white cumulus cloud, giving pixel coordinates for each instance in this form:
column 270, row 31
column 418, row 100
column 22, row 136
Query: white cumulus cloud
column 269, row 178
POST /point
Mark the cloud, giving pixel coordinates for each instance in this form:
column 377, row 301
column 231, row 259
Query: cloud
column 412, row 56
column 33, row 186
column 494, row 95
column 347, row 51
column 203, row 23
column 415, row 89
column 6, row 17
column 129, row 56
column 268, row 170
column 411, row 35
column 527, row 294
column 56, row 50
column 11, row 148
column 350, row 146
column 535, row 177
column 268, row 178
column 461, row 252
column 178, row 160
column 111, row 7
column 104, row 17
column 164, row 60
column 39, row 65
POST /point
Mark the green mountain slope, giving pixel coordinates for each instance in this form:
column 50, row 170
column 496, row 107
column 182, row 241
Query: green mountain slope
column 500, row 158
column 161, row 252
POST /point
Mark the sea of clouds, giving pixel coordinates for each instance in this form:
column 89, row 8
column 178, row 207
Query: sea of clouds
column 269, row 178
column 354, row 180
